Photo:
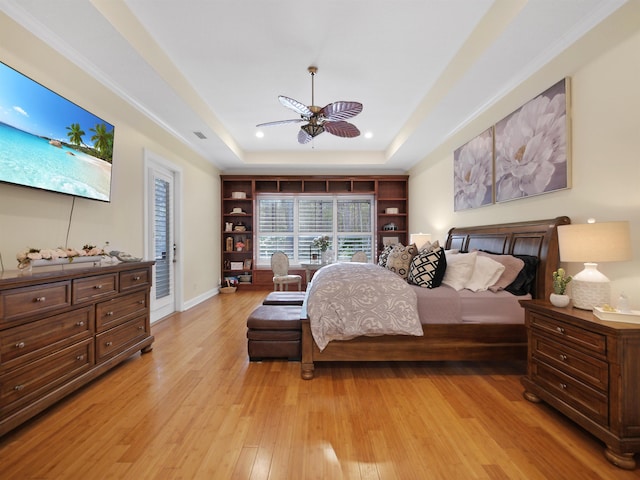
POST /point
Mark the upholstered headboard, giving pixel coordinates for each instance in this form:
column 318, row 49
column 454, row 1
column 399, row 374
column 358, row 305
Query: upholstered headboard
column 538, row 238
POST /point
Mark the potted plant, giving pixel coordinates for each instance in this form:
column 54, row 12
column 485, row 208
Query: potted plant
column 559, row 298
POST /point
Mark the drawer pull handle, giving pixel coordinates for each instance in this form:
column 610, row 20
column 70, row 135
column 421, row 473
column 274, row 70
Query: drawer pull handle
column 563, row 357
column 20, row 345
column 97, row 287
column 109, row 314
column 140, row 327
column 560, row 330
column 80, row 357
column 40, row 299
column 563, row 386
column 136, row 278
column 141, row 302
column 80, row 324
column 108, row 344
column 17, row 388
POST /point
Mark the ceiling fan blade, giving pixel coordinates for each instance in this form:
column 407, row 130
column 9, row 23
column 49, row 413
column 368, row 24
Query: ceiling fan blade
column 303, row 137
column 341, row 129
column 341, row 110
column 296, row 106
column 281, row 122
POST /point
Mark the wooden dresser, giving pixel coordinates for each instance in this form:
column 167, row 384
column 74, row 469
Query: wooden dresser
column 589, row 370
column 62, row 328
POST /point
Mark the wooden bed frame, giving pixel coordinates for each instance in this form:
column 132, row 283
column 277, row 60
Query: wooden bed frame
column 456, row 341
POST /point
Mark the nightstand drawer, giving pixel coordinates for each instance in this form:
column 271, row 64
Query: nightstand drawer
column 590, row 370
column 592, row 403
column 566, row 332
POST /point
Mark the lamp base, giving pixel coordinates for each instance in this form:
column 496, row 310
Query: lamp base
column 590, row 288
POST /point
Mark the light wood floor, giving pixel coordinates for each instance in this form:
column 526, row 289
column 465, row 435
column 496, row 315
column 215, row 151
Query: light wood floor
column 195, row 408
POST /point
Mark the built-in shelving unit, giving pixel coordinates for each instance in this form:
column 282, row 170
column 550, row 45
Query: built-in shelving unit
column 390, row 192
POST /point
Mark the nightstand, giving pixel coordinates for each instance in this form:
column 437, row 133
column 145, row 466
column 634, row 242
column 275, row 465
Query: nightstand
column 589, row 370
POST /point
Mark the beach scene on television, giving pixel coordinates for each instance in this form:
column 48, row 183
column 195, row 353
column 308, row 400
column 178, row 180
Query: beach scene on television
column 49, row 142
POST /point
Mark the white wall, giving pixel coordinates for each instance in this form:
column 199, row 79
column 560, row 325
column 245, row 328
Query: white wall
column 32, row 218
column 605, row 160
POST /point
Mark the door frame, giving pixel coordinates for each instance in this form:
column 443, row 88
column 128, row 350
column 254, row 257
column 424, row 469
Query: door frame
column 154, row 161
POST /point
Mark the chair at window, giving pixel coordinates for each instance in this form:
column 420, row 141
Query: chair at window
column 359, row 257
column 281, row 276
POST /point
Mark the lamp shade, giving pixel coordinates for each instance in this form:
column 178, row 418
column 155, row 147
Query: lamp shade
column 420, row 239
column 591, row 243
column 595, row 242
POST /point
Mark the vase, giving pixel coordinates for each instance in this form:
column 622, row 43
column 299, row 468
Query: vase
column 325, row 257
column 559, row 300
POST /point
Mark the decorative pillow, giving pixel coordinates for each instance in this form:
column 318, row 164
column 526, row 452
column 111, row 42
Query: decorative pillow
column 459, row 269
column 512, row 267
column 525, row 281
column 485, row 273
column 384, row 255
column 427, row 268
column 430, row 246
column 399, row 259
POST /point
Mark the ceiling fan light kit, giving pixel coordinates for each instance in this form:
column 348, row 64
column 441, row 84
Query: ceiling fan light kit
column 330, row 118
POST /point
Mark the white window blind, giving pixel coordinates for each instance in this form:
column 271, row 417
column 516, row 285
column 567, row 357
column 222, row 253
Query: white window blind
column 291, row 222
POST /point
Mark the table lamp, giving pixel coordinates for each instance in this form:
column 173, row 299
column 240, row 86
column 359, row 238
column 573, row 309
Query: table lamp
column 420, row 239
column 591, row 243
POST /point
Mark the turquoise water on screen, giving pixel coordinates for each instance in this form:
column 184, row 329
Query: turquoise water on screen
column 29, row 160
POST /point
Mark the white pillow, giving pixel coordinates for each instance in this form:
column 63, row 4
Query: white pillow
column 459, row 269
column 485, row 273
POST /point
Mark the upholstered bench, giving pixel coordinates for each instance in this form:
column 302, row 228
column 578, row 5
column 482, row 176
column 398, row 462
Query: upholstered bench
column 274, row 331
column 284, row 298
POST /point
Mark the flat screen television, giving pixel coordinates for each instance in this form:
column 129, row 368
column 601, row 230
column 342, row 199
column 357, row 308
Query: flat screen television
column 50, row 143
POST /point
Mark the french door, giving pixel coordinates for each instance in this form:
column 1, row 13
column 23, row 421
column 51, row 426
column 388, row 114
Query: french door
column 161, row 243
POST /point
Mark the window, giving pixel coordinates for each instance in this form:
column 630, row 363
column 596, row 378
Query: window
column 290, row 223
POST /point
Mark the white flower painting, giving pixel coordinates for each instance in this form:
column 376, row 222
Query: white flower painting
column 473, row 172
column 531, row 147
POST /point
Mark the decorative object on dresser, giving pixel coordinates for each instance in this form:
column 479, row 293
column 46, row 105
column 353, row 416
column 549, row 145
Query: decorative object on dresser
column 587, row 369
column 593, row 242
column 61, row 329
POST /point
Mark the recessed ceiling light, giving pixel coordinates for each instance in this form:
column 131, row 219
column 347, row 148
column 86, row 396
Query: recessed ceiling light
column 259, row 134
column 368, row 135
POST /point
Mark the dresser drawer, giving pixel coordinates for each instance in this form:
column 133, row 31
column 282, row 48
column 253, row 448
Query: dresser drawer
column 18, row 303
column 577, row 336
column 28, row 342
column 92, row 288
column 590, row 370
column 588, row 401
column 135, row 279
column 118, row 310
column 27, row 383
column 119, row 338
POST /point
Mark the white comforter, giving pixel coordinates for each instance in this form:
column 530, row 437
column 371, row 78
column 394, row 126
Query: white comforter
column 347, row 300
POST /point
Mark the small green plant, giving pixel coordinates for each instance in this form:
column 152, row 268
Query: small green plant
column 560, row 281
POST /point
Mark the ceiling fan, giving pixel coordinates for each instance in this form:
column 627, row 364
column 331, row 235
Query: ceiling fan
column 330, row 118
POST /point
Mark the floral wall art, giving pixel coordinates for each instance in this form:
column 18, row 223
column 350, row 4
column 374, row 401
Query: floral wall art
column 473, row 172
column 531, row 146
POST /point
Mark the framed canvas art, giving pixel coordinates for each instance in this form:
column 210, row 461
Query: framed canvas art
column 532, row 154
column 473, row 172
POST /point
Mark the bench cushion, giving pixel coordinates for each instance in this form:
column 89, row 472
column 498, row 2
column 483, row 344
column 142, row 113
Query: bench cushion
column 275, row 317
column 284, row 298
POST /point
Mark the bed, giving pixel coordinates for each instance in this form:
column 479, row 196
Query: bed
column 459, row 341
